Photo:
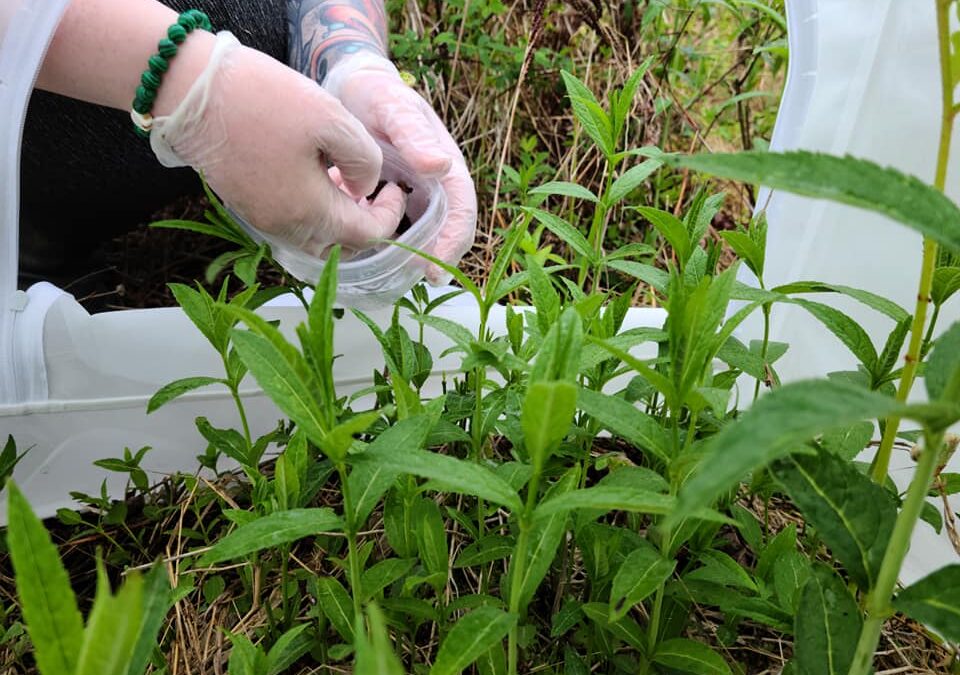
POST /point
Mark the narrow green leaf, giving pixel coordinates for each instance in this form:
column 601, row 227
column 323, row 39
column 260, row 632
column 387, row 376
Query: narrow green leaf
column 199, row 308
column 490, row 548
column 848, row 442
column 641, row 574
column 288, row 649
column 846, row 180
column 369, row 481
column 376, row 656
column 564, row 189
column 275, row 529
column 625, row 420
column 453, row 330
column 245, row 658
column 746, row 249
column 631, row 180
column 946, row 283
column 853, row 515
column 431, row 538
column 827, row 626
column 158, row 599
column 625, row 629
column 48, row 604
column 589, row 113
column 719, row 568
column 607, row 498
column 228, row 441
column 942, row 375
column 559, row 355
column 470, row 637
column 201, row 228
column 690, row 657
column 671, row 228
column 320, row 323
column 383, row 574
column 935, row 602
column 545, row 539
column 790, row 574
column 455, row 272
column 648, row 274
column 336, row 605
column 548, row 410
column 872, row 300
column 281, row 383
column 848, row 331
column 337, row 442
column 178, row 388
column 567, row 232
column 112, row 627
column 503, row 258
column 455, row 474
column 773, row 428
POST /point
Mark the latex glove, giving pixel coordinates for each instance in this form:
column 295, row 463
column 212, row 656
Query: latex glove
column 261, row 134
column 370, row 87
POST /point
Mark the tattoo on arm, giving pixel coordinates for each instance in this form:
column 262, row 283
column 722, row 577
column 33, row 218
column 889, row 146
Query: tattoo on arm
column 324, row 31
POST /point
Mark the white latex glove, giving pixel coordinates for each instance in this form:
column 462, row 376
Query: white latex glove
column 262, row 135
column 370, row 87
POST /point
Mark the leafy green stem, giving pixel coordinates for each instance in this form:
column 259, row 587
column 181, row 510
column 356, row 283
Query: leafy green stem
column 353, row 557
column 881, row 462
column 878, row 601
column 764, row 346
column 519, row 565
column 235, row 393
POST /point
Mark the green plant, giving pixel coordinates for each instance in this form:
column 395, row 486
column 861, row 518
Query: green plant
column 581, row 487
column 121, row 628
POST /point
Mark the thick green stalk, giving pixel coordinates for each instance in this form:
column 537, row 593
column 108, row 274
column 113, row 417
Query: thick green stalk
column 353, row 557
column 518, row 566
column 881, row 463
column 878, row 601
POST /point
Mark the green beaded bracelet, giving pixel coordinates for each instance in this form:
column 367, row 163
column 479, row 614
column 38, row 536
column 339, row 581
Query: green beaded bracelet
column 158, row 64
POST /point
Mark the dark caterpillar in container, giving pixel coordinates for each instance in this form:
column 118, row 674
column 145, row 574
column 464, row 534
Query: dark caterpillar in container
column 405, row 221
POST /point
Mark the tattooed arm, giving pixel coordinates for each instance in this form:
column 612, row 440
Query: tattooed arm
column 324, row 31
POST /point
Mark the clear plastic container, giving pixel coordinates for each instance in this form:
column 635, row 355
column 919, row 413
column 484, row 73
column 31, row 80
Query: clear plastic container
column 380, row 275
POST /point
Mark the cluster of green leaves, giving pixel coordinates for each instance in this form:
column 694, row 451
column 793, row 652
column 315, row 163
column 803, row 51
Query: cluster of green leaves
column 565, row 504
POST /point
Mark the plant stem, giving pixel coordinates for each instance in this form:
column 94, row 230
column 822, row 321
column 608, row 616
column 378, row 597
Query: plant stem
column 235, row 393
column 595, row 236
column 764, row 346
column 878, row 601
column 518, row 566
column 928, row 338
column 351, row 531
column 881, row 462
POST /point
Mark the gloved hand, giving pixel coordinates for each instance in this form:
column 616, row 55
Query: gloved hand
column 370, row 87
column 262, row 134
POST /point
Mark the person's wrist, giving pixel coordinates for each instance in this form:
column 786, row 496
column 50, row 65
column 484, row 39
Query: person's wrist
column 192, row 58
column 352, row 65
